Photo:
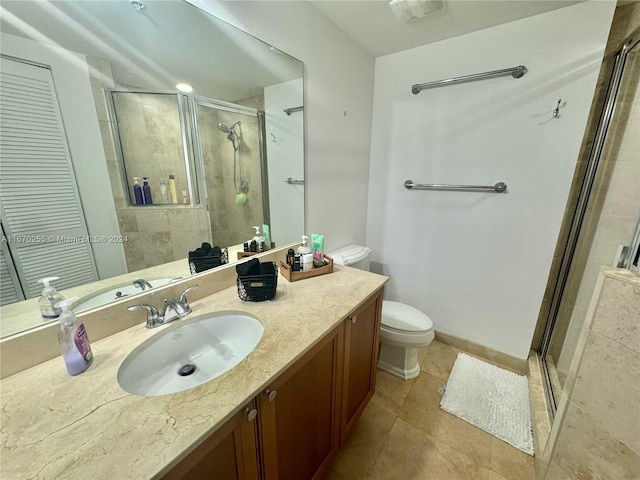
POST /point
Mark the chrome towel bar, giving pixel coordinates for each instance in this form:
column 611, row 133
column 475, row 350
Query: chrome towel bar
column 289, row 111
column 291, row 181
column 515, row 72
column 499, row 187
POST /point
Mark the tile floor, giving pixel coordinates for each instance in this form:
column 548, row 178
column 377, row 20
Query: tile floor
column 404, row 435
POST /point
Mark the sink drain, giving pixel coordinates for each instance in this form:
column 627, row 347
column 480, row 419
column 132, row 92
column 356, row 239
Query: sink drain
column 188, row 369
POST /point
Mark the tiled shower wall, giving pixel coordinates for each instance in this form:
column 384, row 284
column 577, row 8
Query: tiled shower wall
column 155, row 235
column 596, row 433
column 612, row 210
column 230, row 222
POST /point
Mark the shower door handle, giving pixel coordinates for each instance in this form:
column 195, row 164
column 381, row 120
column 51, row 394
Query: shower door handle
column 291, row 181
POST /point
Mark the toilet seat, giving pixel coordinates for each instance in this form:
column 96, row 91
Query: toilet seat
column 403, row 325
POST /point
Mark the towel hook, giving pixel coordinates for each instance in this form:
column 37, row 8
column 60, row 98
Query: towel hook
column 556, row 112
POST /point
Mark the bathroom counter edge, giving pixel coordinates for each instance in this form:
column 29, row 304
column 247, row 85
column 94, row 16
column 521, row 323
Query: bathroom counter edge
column 76, row 425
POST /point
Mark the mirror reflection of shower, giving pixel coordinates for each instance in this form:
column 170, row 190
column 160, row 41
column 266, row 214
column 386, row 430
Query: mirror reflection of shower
column 234, row 134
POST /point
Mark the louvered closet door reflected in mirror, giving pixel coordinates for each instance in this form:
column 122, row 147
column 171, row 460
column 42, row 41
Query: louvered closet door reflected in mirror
column 40, row 207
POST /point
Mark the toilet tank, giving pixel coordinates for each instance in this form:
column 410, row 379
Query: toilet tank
column 355, row 256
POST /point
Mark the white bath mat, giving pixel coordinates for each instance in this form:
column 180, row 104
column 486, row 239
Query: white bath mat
column 491, row 398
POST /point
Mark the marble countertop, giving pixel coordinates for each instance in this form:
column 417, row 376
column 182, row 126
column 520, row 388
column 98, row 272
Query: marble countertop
column 56, row 427
column 21, row 316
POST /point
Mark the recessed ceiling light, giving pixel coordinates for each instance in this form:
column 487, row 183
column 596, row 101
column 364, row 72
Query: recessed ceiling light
column 184, row 87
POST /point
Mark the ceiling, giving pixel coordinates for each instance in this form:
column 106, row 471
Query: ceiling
column 168, row 42
column 373, row 25
column 148, row 49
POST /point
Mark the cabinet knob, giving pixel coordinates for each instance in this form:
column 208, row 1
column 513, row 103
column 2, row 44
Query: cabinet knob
column 271, row 395
column 251, row 414
column 354, row 319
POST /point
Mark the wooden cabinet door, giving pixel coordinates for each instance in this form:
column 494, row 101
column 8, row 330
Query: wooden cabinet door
column 299, row 414
column 230, row 453
column 362, row 334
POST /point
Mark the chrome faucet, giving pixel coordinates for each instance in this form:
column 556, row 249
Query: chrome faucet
column 173, row 310
column 142, row 283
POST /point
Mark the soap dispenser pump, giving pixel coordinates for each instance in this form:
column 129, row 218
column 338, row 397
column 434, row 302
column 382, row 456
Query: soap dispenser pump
column 259, row 239
column 73, row 339
column 304, row 248
column 49, row 298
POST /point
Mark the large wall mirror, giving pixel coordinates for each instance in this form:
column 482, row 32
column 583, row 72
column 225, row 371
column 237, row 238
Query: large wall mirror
column 130, row 133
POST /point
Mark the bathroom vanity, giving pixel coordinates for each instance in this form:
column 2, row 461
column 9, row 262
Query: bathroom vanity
column 281, row 413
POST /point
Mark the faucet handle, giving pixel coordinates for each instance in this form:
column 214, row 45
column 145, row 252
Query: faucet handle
column 153, row 316
column 183, row 297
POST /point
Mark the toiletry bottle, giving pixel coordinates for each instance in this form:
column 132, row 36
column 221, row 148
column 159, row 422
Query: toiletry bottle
column 74, row 343
column 318, row 261
column 137, row 191
column 266, row 233
column 146, row 191
column 259, row 239
column 304, row 248
column 163, row 191
column 290, row 255
column 307, row 262
column 49, row 298
column 185, row 197
column 172, row 189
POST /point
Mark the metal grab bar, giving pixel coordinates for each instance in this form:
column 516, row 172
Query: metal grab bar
column 515, row 72
column 499, row 187
column 291, row 181
column 289, row 111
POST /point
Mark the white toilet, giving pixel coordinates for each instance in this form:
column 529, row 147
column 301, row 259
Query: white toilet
column 404, row 329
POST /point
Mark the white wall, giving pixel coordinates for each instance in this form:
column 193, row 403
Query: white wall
column 77, row 107
column 285, row 159
column 337, row 100
column 477, row 263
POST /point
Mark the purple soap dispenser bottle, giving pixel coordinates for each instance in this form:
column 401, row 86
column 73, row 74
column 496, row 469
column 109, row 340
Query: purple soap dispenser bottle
column 146, row 190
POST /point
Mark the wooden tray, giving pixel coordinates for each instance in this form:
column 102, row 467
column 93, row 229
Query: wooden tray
column 242, row 255
column 286, row 272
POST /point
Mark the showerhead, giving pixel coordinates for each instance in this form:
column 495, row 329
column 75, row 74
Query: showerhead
column 225, row 129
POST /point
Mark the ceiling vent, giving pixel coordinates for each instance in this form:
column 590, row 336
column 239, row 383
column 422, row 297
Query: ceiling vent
column 409, row 10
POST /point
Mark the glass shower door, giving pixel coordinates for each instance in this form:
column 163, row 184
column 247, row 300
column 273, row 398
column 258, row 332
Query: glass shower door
column 230, row 140
column 611, row 215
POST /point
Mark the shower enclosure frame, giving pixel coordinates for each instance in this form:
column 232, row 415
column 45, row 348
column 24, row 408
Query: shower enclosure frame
column 182, row 99
column 194, row 102
column 588, row 181
column 190, row 139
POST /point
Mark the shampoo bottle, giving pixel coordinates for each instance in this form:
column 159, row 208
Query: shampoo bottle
column 74, row 343
column 172, row 189
column 146, row 191
column 137, row 191
column 163, row 191
column 50, row 297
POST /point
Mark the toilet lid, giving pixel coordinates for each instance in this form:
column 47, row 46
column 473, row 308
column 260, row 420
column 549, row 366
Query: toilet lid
column 404, row 317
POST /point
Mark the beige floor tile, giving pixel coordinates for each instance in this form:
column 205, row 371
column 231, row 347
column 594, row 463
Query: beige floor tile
column 410, row 453
column 493, row 475
column 331, row 475
column 422, row 409
column 439, row 360
column 391, row 391
column 357, row 456
column 510, row 462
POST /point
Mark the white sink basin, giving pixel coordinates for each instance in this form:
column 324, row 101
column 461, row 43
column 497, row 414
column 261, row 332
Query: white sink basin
column 189, row 352
column 99, row 299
